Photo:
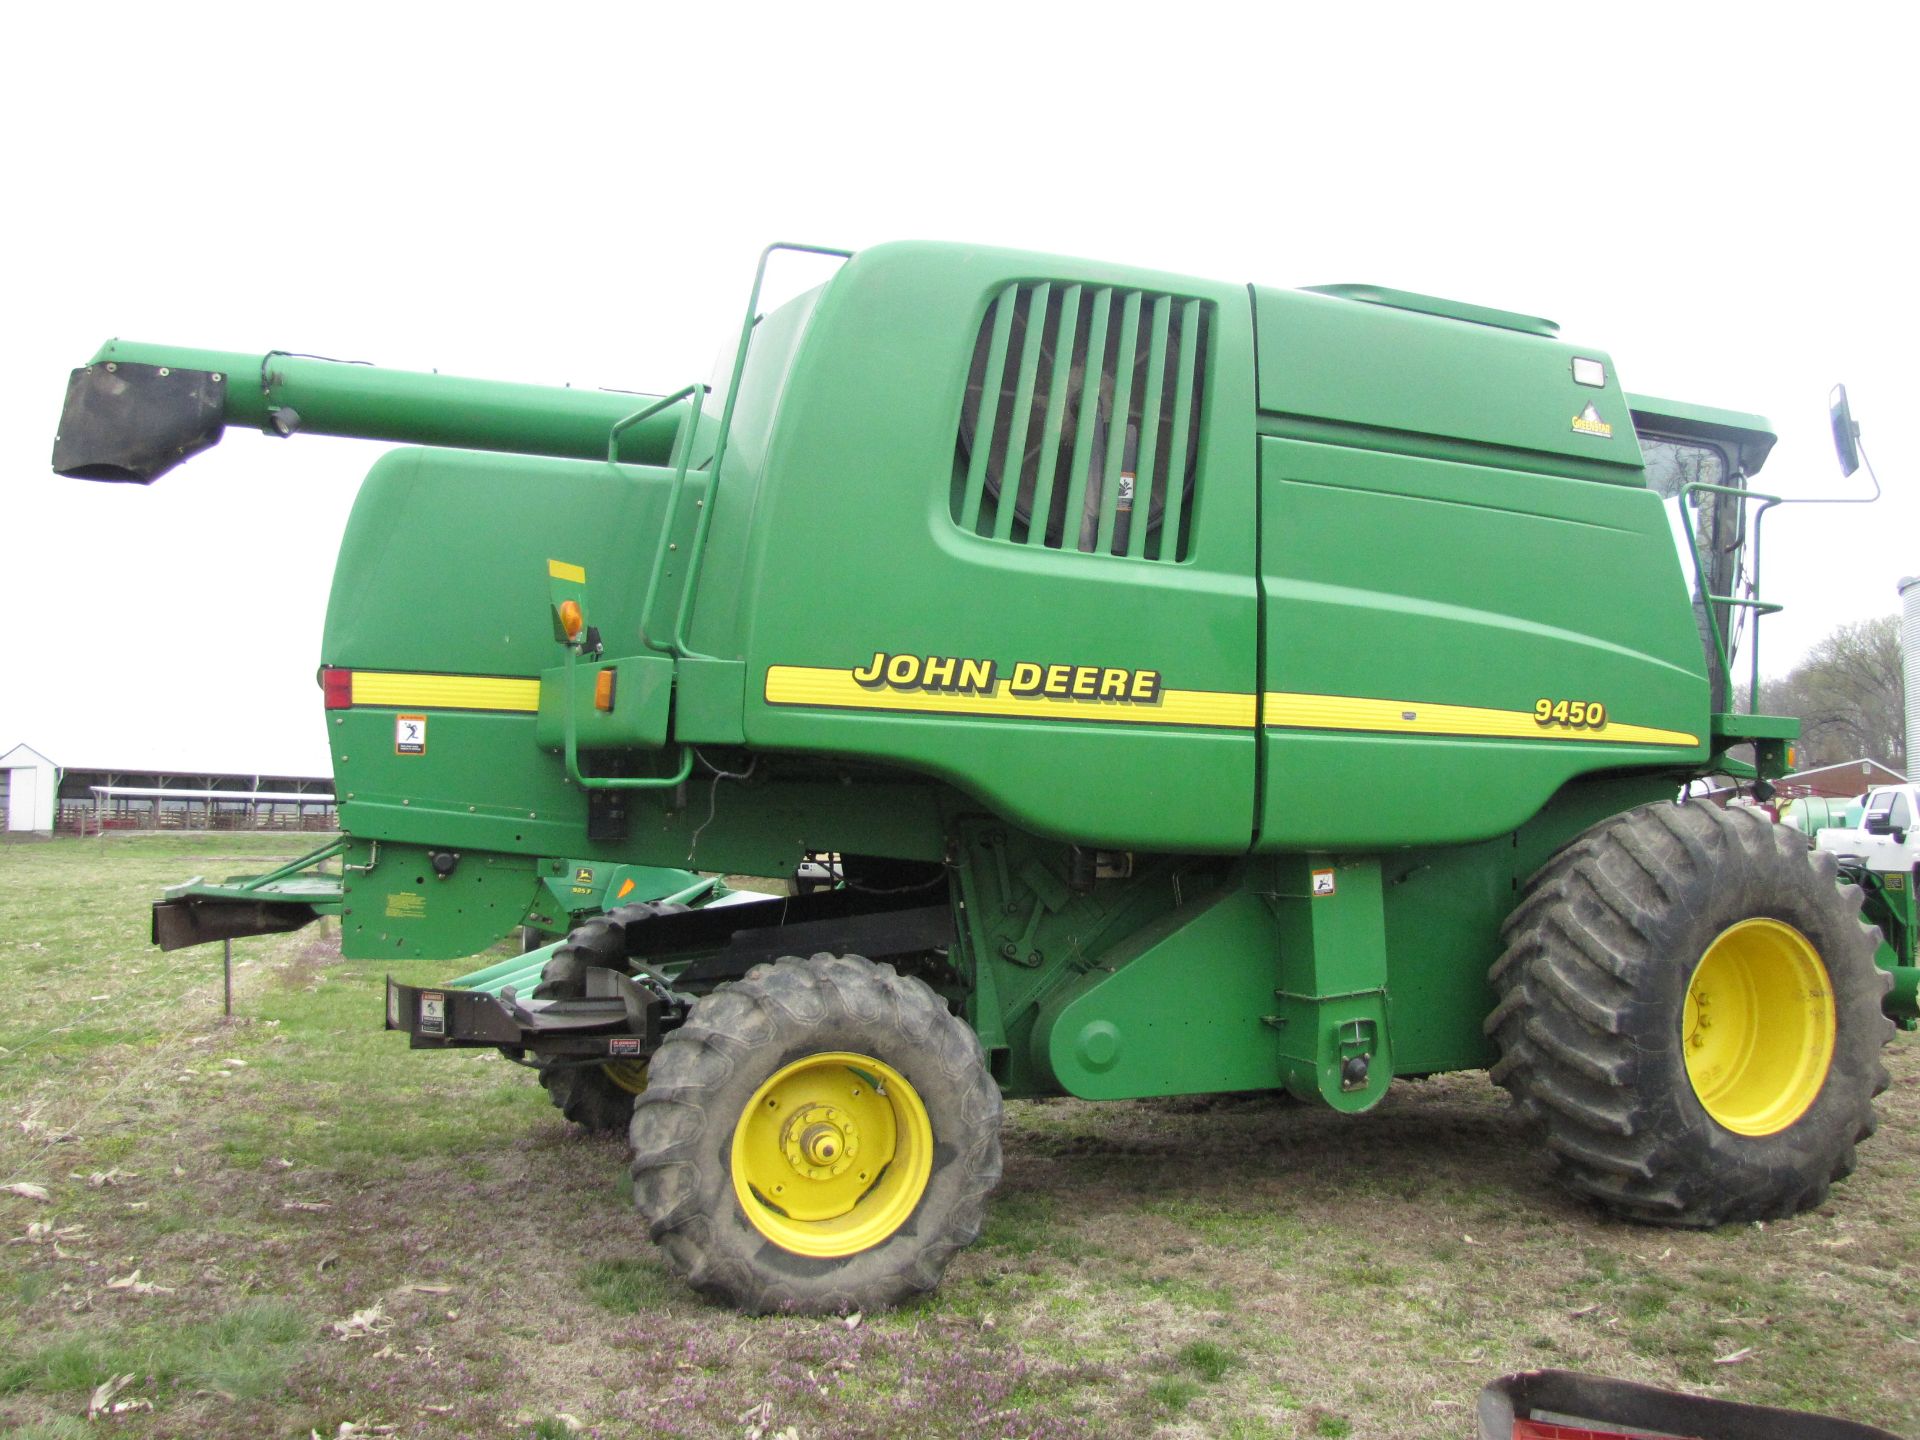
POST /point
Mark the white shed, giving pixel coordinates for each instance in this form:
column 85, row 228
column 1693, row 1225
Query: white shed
column 33, row 786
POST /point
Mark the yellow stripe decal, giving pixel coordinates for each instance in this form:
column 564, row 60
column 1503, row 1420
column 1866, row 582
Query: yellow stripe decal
column 445, row 692
column 837, row 689
column 1413, row 717
column 809, row 685
column 560, row 570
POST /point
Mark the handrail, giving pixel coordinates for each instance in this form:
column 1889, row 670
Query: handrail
column 1759, row 607
column 698, row 392
column 613, row 435
column 698, row 548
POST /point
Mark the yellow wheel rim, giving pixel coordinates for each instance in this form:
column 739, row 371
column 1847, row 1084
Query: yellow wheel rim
column 629, row 1075
column 832, row 1154
column 1759, row 1027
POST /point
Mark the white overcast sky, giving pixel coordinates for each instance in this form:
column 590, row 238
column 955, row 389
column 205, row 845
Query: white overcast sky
column 1719, row 196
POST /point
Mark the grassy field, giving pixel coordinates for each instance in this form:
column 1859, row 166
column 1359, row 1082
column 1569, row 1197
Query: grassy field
column 328, row 1230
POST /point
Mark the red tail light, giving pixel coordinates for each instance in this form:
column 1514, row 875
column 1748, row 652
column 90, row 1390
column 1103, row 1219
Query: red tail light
column 337, row 686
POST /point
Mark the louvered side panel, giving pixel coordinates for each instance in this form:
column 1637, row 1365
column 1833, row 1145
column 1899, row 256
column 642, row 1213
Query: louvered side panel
column 1080, row 422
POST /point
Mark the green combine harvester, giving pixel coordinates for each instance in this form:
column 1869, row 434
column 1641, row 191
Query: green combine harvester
column 1195, row 688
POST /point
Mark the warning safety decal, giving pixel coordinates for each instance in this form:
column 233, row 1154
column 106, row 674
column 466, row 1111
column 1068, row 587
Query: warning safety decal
column 409, row 734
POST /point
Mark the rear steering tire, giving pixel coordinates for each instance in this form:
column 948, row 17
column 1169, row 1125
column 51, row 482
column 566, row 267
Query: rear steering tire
column 1689, row 1011
column 819, row 1137
column 598, row 1098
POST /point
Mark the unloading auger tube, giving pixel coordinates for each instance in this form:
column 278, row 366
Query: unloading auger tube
column 135, row 411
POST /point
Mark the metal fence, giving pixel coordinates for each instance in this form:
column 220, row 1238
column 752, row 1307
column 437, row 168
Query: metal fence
column 82, row 817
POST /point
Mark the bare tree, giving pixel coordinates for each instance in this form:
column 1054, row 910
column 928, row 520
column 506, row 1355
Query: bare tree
column 1850, row 695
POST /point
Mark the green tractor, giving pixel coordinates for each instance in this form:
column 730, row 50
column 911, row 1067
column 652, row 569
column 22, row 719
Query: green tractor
column 1196, row 688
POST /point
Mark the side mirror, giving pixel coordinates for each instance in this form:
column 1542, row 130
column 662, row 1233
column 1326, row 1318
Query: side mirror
column 1881, row 824
column 1846, row 434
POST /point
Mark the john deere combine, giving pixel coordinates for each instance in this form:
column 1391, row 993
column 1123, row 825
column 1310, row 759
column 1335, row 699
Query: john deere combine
column 1202, row 689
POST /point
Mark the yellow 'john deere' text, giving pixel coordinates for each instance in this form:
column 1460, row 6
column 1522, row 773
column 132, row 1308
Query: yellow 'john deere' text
column 942, row 674
column 960, row 675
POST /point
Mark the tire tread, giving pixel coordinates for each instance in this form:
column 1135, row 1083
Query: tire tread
column 1581, row 949
column 678, row 1128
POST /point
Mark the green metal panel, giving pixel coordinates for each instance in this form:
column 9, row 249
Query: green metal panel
column 1089, row 991
column 709, row 699
column 483, row 784
column 1444, row 907
column 1135, row 1025
column 406, row 603
column 855, row 522
column 1417, row 613
column 642, row 700
column 396, row 906
column 981, row 448
column 1435, row 305
column 739, row 537
column 1331, row 1003
column 444, row 566
column 1397, row 370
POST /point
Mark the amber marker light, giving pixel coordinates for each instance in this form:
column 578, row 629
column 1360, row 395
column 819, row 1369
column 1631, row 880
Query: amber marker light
column 571, row 620
column 603, row 689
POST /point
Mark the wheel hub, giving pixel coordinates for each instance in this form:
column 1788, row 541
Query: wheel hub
column 832, row 1154
column 1758, row 1027
column 820, row 1141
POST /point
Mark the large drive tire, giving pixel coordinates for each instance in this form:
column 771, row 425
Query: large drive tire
column 598, row 1098
column 819, row 1137
column 1689, row 1010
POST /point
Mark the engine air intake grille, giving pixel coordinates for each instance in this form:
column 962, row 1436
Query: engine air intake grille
column 1080, row 429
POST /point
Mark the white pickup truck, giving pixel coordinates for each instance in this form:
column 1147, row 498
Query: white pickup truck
column 1888, row 840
